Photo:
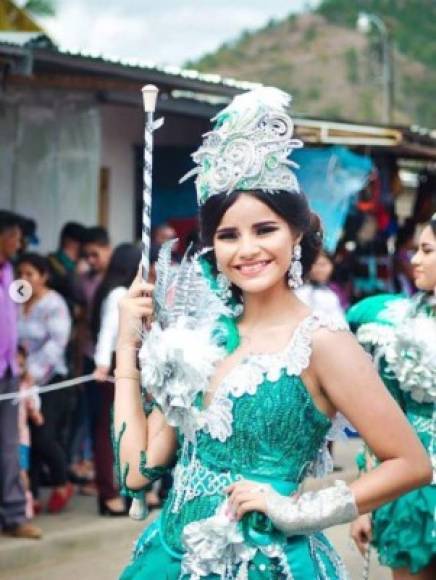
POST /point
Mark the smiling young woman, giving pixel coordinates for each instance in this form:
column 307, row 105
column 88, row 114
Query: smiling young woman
column 244, row 380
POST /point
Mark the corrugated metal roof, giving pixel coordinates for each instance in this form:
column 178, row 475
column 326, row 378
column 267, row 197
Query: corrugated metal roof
column 18, row 38
column 38, row 40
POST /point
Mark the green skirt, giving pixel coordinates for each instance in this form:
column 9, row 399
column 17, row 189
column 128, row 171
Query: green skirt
column 404, row 531
column 308, row 557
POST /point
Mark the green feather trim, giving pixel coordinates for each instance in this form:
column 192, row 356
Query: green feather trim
column 227, row 332
column 151, row 473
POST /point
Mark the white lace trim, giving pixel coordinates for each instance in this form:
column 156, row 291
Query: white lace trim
column 316, row 548
column 195, row 479
column 254, row 369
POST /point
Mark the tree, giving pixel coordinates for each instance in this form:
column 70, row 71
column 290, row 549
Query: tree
column 20, row 18
column 39, row 7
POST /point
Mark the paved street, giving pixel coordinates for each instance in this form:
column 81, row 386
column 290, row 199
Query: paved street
column 79, row 545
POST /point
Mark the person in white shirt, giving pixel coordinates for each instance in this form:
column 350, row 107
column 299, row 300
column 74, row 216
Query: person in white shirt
column 120, row 273
column 316, row 292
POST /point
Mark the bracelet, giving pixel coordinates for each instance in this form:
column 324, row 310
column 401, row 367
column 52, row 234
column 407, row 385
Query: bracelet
column 127, row 347
column 132, row 374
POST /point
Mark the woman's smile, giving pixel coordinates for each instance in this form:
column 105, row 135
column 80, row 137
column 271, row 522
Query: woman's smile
column 252, row 269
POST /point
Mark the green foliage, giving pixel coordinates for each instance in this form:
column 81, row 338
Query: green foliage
column 411, row 22
column 271, row 56
column 421, row 97
column 292, row 21
column 313, row 93
column 270, row 25
column 352, row 65
column 40, row 7
column 310, row 34
column 332, row 112
column 367, row 110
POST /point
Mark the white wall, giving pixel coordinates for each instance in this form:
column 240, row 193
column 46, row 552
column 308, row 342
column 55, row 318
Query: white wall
column 108, row 137
column 50, row 151
column 122, row 129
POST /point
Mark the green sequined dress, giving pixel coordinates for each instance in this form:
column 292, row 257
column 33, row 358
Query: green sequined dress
column 261, row 425
column 404, row 531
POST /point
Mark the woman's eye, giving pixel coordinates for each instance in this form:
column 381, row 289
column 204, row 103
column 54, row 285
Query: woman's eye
column 226, row 236
column 266, row 230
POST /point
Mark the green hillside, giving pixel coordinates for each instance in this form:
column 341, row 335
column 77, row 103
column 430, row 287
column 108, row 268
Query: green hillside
column 412, row 23
column 334, row 71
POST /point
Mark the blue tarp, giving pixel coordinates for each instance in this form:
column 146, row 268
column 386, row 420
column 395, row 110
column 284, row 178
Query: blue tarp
column 331, row 177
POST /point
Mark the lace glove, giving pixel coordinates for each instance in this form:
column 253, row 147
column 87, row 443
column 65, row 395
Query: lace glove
column 138, row 509
column 312, row 511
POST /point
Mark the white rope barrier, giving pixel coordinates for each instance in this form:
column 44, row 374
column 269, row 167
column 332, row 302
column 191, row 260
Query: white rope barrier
column 18, row 396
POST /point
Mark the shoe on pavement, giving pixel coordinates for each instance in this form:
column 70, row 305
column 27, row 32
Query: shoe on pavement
column 58, row 500
column 25, row 530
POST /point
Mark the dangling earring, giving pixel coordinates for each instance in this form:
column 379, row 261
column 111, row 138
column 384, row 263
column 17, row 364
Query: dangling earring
column 295, row 272
column 223, row 284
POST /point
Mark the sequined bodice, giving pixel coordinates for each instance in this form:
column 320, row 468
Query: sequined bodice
column 276, row 431
column 262, row 424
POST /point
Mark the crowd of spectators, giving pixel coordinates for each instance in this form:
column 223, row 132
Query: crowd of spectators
column 60, row 439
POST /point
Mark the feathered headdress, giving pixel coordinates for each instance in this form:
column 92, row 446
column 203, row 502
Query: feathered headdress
column 248, row 147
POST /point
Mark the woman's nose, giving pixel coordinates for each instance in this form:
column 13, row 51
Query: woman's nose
column 415, row 259
column 247, row 247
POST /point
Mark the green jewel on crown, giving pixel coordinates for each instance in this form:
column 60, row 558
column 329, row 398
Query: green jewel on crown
column 272, row 162
column 243, row 184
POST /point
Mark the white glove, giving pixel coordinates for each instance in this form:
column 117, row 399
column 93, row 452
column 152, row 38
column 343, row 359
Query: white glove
column 312, row 511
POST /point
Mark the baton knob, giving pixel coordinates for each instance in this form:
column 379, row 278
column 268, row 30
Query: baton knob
column 149, row 96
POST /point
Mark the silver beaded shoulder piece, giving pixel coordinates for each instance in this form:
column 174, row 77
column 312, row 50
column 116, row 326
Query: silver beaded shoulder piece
column 406, row 338
column 178, row 354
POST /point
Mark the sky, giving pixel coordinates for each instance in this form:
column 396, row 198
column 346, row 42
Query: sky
column 163, row 32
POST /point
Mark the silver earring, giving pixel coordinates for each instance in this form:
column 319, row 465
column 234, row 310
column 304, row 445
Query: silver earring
column 295, row 272
column 223, row 284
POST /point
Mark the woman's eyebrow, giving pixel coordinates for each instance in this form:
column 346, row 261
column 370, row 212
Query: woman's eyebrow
column 226, row 230
column 232, row 229
column 427, row 245
column 265, row 223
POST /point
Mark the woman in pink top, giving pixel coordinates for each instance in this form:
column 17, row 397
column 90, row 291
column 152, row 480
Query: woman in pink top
column 44, row 326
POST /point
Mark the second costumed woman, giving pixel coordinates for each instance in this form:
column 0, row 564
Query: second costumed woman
column 246, row 382
column 401, row 334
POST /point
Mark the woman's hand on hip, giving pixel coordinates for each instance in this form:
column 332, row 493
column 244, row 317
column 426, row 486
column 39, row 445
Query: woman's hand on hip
column 246, row 496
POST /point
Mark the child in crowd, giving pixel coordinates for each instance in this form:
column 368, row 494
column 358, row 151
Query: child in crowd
column 318, row 292
column 28, row 410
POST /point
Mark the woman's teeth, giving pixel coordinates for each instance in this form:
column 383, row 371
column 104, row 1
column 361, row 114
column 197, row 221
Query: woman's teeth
column 254, row 268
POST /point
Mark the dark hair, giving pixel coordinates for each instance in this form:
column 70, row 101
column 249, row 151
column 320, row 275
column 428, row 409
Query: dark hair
column 96, row 235
column 292, row 207
column 405, row 233
column 21, row 350
column 121, row 271
column 432, row 224
column 326, row 254
column 193, row 241
column 72, row 231
column 29, row 227
column 9, row 220
column 40, row 263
